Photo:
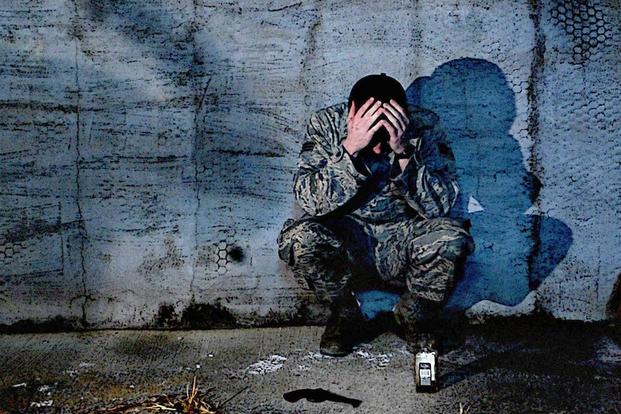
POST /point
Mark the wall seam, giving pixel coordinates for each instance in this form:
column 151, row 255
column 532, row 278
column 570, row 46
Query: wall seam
column 536, row 72
column 197, row 103
column 78, row 159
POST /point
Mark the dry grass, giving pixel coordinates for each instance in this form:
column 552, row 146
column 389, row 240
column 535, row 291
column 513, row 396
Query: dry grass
column 463, row 409
column 193, row 403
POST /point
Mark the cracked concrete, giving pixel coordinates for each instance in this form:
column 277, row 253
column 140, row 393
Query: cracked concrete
column 514, row 367
column 78, row 193
column 125, row 125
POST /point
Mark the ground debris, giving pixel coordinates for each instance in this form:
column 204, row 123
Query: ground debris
column 272, row 364
column 192, row 403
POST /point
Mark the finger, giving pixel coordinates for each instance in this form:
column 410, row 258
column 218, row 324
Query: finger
column 394, row 117
column 377, row 126
column 352, row 111
column 371, row 116
column 390, row 129
column 364, row 107
column 372, row 110
column 397, row 119
column 400, row 109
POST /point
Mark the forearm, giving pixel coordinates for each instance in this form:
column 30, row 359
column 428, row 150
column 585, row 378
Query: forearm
column 429, row 193
column 330, row 184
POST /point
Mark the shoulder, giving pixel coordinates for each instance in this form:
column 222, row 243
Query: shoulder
column 423, row 118
column 329, row 116
column 329, row 124
column 433, row 135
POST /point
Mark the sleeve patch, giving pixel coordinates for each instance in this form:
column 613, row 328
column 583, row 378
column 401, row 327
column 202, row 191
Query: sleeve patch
column 307, row 146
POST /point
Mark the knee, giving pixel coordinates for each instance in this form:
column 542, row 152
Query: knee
column 455, row 241
column 312, row 237
column 306, row 238
column 458, row 244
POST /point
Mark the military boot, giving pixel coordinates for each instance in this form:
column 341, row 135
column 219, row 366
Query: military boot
column 416, row 319
column 343, row 327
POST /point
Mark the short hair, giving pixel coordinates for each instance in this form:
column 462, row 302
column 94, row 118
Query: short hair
column 382, row 87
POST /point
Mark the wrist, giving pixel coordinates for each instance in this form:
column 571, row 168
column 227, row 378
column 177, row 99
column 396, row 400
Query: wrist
column 404, row 152
column 403, row 155
column 349, row 149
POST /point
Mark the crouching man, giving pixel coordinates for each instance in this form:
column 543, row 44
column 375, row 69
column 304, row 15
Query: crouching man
column 376, row 179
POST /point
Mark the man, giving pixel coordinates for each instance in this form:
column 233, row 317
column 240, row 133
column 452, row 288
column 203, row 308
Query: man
column 376, row 180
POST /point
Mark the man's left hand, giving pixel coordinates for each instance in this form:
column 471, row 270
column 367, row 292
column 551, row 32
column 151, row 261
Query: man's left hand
column 396, row 127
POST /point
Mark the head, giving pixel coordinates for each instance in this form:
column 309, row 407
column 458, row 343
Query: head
column 383, row 88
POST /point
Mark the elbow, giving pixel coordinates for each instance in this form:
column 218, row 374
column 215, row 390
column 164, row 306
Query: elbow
column 435, row 206
column 305, row 198
column 308, row 207
column 453, row 193
column 444, row 204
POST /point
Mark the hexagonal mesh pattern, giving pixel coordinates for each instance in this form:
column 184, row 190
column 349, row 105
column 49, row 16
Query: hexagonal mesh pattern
column 8, row 251
column 223, row 254
column 586, row 25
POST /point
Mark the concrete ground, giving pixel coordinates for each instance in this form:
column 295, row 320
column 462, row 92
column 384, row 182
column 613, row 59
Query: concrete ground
column 511, row 367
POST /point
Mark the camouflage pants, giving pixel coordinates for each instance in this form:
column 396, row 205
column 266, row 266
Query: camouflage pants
column 336, row 255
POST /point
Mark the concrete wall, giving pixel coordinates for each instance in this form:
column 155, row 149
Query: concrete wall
column 147, row 150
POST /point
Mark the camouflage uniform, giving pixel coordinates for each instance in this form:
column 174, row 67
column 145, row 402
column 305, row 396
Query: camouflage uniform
column 367, row 223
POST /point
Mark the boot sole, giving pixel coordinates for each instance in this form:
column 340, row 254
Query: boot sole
column 332, row 353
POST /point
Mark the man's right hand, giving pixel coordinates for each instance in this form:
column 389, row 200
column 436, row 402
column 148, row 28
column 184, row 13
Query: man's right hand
column 359, row 131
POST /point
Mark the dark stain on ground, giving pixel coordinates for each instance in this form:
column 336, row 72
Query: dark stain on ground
column 317, row 395
column 538, row 364
column 236, row 253
column 55, row 324
column 144, row 347
column 207, row 316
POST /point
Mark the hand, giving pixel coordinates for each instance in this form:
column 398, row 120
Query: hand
column 397, row 125
column 359, row 131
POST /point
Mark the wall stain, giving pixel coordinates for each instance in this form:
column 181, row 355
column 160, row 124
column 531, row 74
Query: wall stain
column 536, row 169
column 309, row 51
column 613, row 307
column 55, row 324
column 171, row 259
column 166, row 316
column 207, row 316
column 27, row 229
column 236, row 253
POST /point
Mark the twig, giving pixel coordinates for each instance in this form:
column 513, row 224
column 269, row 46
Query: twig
column 219, row 406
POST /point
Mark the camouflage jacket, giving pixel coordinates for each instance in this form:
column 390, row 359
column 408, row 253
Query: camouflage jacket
column 373, row 188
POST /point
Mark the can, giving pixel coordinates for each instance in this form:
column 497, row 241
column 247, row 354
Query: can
column 426, row 371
